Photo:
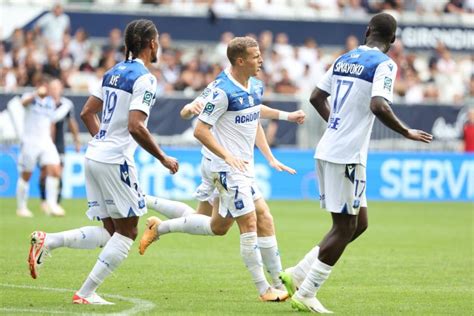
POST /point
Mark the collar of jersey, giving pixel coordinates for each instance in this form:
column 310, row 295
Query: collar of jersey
column 368, row 48
column 139, row 60
column 238, row 84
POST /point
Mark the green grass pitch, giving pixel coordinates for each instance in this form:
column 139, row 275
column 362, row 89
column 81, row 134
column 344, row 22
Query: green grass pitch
column 415, row 258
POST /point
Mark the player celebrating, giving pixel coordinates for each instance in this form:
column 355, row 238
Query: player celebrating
column 232, row 111
column 55, row 90
column 113, row 193
column 38, row 147
column 207, row 192
column 361, row 85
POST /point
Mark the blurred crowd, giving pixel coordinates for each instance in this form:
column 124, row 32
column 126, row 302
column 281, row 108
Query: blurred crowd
column 50, row 50
column 299, row 8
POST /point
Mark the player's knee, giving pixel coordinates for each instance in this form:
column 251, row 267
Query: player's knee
column 219, row 231
column 131, row 233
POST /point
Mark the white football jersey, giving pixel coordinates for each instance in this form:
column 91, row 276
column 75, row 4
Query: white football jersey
column 39, row 115
column 352, row 81
column 234, row 112
column 125, row 87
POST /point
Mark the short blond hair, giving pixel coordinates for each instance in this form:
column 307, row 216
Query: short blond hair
column 238, row 48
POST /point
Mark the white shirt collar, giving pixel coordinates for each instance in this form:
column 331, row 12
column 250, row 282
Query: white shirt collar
column 238, row 84
column 139, row 60
column 365, row 47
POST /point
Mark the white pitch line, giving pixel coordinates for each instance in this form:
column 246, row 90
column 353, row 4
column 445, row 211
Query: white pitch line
column 139, row 304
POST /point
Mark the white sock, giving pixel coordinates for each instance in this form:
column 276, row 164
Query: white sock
column 195, row 224
column 22, row 190
column 271, row 258
column 304, row 266
column 168, row 208
column 252, row 258
column 89, row 237
column 114, row 252
column 314, row 280
column 52, row 191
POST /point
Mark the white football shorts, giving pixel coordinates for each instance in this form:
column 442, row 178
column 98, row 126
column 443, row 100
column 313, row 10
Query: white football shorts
column 207, row 190
column 341, row 187
column 113, row 191
column 235, row 194
column 31, row 154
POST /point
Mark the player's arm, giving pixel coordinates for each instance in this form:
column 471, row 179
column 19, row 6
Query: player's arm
column 141, row 134
column 89, row 114
column 143, row 96
column 382, row 95
column 203, row 133
column 192, row 109
column 262, row 144
column 267, row 112
column 41, row 92
column 319, row 96
column 319, row 100
column 380, row 107
column 74, row 128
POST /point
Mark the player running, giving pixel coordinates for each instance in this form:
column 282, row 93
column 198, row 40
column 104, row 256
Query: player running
column 361, row 85
column 207, row 196
column 37, row 147
column 228, row 127
column 113, row 193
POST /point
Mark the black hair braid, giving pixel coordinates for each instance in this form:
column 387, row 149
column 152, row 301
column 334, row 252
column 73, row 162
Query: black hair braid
column 138, row 34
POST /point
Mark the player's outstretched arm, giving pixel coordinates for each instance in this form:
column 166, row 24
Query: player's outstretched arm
column 203, row 133
column 380, row 107
column 190, row 110
column 89, row 114
column 41, row 92
column 141, row 134
column 262, row 144
column 267, row 112
column 319, row 100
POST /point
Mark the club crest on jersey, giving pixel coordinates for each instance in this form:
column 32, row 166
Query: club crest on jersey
column 387, row 84
column 147, row 97
column 209, row 108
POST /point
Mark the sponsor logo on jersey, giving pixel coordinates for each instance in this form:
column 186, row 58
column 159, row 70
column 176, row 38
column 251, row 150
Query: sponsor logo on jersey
column 387, row 83
column 209, row 108
column 246, row 118
column 147, row 97
column 352, row 69
column 215, row 94
column 205, row 93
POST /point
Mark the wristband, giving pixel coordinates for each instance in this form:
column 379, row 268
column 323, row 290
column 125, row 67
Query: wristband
column 283, row 116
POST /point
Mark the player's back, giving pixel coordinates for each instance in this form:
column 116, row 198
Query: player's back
column 352, row 81
column 125, row 87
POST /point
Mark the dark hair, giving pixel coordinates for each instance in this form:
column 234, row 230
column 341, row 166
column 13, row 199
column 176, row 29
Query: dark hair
column 238, row 48
column 138, row 34
column 383, row 27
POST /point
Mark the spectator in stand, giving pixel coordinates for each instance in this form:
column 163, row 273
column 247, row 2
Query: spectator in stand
column 221, row 49
column 79, row 47
column 468, row 132
column 454, row 7
column 52, row 26
column 265, row 42
column 353, row 9
column 285, row 85
column 115, row 44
